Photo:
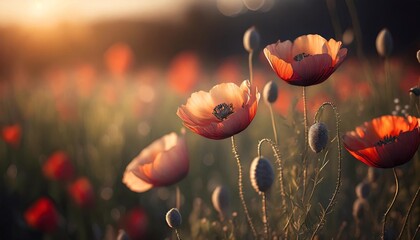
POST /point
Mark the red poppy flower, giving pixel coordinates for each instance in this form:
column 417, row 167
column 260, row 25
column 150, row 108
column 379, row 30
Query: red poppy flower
column 184, row 72
column 384, row 142
column 12, row 134
column 162, row 163
column 118, row 59
column 221, row 113
column 81, row 191
column 309, row 60
column 135, row 223
column 42, row 215
column 58, row 167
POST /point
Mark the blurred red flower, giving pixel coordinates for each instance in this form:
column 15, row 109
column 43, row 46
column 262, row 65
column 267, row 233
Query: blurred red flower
column 184, row 72
column 118, row 59
column 42, row 215
column 81, row 191
column 136, row 223
column 162, row 163
column 58, row 167
column 85, row 79
column 221, row 113
column 229, row 71
column 12, row 134
column 384, row 142
column 309, row 60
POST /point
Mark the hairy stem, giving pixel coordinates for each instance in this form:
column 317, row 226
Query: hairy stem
column 338, row 182
column 240, row 186
column 178, row 235
column 280, row 166
column 265, row 217
column 305, row 151
column 273, row 122
column 392, row 204
column 408, row 213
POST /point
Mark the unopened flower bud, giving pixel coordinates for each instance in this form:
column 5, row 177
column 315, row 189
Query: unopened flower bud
column 415, row 91
column 262, row 174
column 122, row 235
column 384, row 43
column 251, row 39
column 362, row 190
column 318, row 137
column 253, row 5
column 220, row 200
column 270, row 92
column 173, row 218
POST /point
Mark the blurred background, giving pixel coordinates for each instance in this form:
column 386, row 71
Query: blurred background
column 98, row 81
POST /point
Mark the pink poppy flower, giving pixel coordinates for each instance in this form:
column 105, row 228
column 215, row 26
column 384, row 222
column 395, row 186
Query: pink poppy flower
column 162, row 163
column 309, row 60
column 221, row 113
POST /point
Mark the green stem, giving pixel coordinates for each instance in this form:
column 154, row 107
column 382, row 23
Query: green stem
column 338, row 182
column 273, row 123
column 265, row 218
column 392, row 204
column 240, row 186
column 305, row 151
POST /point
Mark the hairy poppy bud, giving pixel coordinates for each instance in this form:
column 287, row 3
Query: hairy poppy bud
column 173, row 218
column 362, row 190
column 415, row 91
column 318, row 137
column 251, row 39
column 270, row 92
column 220, row 199
column 384, row 43
column 262, row 174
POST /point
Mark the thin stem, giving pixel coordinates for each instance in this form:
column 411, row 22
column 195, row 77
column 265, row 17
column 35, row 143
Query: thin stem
column 273, row 122
column 408, row 213
column 265, row 218
column 338, row 182
column 178, row 198
column 280, row 166
column 250, row 66
column 240, row 186
column 415, row 233
column 178, row 235
column 305, row 151
column 392, row 203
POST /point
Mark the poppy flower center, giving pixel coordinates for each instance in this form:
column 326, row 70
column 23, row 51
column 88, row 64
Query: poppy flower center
column 300, row 56
column 387, row 139
column 222, row 111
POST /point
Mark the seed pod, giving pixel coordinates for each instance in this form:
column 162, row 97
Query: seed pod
column 362, row 190
column 318, row 137
column 173, row 218
column 384, row 43
column 270, row 92
column 220, row 200
column 251, row 39
column 261, row 174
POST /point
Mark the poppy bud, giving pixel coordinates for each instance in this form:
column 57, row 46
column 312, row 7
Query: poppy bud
column 220, row 199
column 262, row 174
column 253, row 5
column 415, row 91
column 318, row 137
column 384, row 43
column 362, row 190
column 251, row 39
column 270, row 92
column 173, row 218
column 122, row 235
column 418, row 56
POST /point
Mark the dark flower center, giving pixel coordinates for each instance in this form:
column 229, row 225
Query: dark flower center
column 301, row 56
column 386, row 140
column 222, row 111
